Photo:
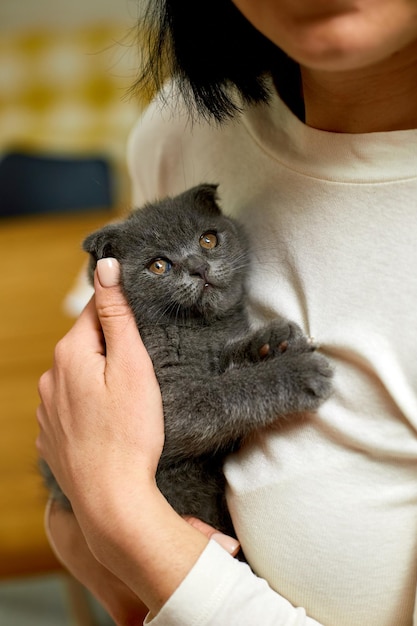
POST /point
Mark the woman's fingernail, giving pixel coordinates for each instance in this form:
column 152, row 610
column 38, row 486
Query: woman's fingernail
column 228, row 543
column 108, row 272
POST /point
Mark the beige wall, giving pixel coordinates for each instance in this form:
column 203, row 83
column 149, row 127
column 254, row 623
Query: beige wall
column 23, row 14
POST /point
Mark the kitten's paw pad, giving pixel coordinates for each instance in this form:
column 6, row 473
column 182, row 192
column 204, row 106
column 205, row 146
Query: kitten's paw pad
column 265, row 350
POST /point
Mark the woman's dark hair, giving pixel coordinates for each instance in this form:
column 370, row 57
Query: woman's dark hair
column 212, row 52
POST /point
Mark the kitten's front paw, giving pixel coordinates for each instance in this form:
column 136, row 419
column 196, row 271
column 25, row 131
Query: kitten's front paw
column 259, row 345
column 310, row 379
column 315, row 375
column 273, row 340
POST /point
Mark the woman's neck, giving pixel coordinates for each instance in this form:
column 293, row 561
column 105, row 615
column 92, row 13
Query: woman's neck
column 372, row 99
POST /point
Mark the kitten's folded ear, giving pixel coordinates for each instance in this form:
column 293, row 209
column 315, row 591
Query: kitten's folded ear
column 206, row 197
column 103, row 243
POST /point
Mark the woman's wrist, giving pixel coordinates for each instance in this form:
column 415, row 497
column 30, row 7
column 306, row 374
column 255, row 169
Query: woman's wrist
column 68, row 543
column 141, row 540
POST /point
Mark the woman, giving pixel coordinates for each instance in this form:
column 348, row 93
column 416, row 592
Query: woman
column 320, row 166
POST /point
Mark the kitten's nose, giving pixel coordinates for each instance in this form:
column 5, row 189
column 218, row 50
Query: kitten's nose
column 197, row 267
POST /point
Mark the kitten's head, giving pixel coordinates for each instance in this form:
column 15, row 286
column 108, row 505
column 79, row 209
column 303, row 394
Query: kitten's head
column 180, row 258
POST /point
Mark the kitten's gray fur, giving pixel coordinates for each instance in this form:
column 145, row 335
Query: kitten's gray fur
column 220, row 381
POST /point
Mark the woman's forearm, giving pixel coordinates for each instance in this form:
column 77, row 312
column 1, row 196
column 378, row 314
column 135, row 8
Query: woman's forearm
column 69, row 544
column 143, row 542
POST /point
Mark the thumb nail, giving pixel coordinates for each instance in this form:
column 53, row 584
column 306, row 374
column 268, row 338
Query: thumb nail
column 230, row 544
column 108, row 272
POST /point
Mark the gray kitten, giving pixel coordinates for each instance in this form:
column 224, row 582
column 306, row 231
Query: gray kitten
column 183, row 271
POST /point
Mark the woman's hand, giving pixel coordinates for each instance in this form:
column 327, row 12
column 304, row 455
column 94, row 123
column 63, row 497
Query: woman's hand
column 101, row 410
column 101, row 433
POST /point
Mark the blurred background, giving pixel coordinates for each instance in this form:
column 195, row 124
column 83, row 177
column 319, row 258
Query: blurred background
column 65, row 113
column 65, row 71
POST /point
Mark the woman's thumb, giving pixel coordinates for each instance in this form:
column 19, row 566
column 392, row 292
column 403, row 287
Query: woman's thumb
column 108, row 272
column 116, row 317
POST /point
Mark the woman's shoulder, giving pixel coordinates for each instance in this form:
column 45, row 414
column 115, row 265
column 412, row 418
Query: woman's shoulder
column 156, row 126
column 161, row 146
column 172, row 147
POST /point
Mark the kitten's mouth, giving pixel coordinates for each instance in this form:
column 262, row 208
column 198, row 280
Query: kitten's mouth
column 209, row 286
column 206, row 292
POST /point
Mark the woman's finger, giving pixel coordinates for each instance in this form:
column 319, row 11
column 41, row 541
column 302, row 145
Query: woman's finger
column 230, row 544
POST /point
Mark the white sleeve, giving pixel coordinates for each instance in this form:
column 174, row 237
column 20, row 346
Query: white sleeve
column 221, row 591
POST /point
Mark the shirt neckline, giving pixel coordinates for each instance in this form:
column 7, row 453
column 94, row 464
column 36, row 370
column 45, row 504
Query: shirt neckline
column 360, row 158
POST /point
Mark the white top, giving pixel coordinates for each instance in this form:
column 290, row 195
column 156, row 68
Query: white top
column 325, row 506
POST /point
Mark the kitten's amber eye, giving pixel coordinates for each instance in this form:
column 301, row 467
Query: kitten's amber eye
column 160, row 266
column 208, row 241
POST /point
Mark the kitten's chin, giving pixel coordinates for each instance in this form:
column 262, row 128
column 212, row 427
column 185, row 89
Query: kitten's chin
column 205, row 304
column 214, row 304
